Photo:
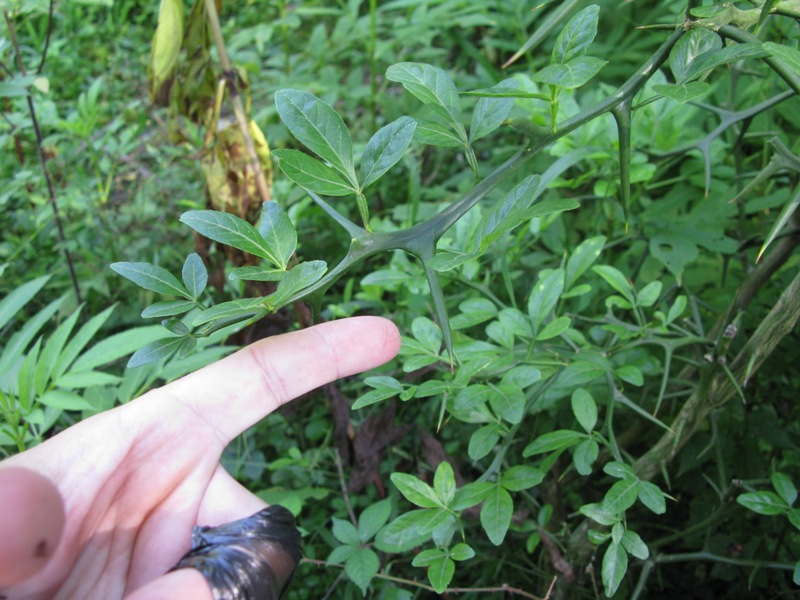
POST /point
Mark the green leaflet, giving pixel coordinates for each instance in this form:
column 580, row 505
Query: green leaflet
column 433, row 87
column 385, row 149
column 312, row 174
column 319, row 127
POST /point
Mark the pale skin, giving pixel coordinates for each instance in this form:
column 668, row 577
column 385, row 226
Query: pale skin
column 134, row 481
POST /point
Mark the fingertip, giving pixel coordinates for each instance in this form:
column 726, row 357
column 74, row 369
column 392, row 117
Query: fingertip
column 32, row 522
column 392, row 338
column 240, row 390
column 387, row 334
column 360, row 343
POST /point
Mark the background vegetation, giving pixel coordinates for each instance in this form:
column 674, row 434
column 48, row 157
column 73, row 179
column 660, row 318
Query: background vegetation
column 580, row 215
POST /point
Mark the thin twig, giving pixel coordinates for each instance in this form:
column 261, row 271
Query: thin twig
column 708, row 556
column 503, row 588
column 47, row 37
column 43, row 161
column 345, row 494
column 716, row 389
column 550, row 589
column 333, row 586
column 786, row 73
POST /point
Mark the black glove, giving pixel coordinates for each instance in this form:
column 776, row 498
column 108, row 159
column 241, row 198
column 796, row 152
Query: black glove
column 249, row 559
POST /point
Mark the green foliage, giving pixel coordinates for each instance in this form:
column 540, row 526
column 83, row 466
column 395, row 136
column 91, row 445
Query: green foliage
column 583, row 250
column 45, row 377
column 361, row 563
column 779, row 502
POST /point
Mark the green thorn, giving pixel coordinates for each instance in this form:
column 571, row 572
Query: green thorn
column 440, row 311
column 622, row 115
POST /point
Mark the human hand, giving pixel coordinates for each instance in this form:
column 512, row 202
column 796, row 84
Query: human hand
column 133, row 481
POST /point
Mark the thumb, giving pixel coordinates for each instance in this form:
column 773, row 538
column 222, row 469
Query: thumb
column 32, row 522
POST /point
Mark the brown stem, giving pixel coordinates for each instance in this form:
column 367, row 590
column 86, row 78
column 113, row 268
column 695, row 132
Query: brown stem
column 47, row 37
column 236, row 99
column 451, row 590
column 51, row 194
column 717, row 388
column 345, row 493
column 758, row 277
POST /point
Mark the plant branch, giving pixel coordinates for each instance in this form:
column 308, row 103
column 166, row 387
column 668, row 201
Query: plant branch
column 445, row 219
column 417, row 584
column 708, row 556
column 744, row 37
column 373, row 63
column 47, row 37
column 345, row 494
column 780, row 253
column 51, row 194
column 625, row 91
column 756, row 279
column 236, row 100
column 411, row 239
column 716, row 387
column 8, row 71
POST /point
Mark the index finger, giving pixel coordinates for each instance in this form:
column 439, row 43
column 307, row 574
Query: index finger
column 240, row 390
